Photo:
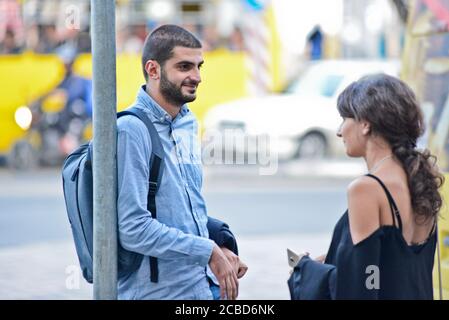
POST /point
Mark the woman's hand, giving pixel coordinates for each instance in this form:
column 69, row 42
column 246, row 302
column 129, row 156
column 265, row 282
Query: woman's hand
column 297, row 259
column 321, row 258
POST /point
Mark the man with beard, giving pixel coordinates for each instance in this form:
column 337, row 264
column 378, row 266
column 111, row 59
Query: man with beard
column 190, row 265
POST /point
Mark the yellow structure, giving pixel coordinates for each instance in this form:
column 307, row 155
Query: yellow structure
column 443, row 233
column 23, row 78
column 222, row 74
column 28, row 76
column 425, row 67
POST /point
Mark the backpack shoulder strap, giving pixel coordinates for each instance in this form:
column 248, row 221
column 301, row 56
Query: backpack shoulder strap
column 157, row 152
column 155, row 174
column 154, row 135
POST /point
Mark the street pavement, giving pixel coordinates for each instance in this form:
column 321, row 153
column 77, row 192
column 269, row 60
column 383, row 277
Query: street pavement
column 295, row 208
column 51, row 271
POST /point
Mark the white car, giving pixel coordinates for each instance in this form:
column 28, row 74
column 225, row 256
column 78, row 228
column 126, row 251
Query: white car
column 299, row 123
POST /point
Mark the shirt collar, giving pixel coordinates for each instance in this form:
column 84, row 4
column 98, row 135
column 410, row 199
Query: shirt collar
column 146, row 100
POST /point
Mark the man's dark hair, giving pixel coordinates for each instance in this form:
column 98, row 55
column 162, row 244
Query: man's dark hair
column 160, row 43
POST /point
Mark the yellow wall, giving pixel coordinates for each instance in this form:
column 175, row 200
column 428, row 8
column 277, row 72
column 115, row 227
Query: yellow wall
column 26, row 77
column 23, row 78
column 443, row 233
column 222, row 74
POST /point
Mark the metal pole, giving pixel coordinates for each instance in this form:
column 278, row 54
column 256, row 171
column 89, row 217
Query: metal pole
column 104, row 150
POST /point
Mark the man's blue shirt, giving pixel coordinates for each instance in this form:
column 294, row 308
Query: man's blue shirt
column 179, row 237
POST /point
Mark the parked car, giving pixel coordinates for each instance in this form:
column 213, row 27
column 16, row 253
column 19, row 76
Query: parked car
column 301, row 122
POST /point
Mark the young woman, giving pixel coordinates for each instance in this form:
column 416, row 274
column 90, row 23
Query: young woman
column 383, row 246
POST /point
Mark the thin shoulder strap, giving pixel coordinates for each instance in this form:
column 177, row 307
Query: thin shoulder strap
column 394, row 208
column 434, row 228
column 440, row 283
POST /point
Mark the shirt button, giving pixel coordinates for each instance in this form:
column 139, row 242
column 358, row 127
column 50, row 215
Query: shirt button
column 162, row 119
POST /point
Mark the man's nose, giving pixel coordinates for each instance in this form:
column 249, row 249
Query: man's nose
column 196, row 75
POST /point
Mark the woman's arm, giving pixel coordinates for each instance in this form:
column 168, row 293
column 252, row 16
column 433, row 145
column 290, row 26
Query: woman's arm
column 363, row 209
column 355, row 278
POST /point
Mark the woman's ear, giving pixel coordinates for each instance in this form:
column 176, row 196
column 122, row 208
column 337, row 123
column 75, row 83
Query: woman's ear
column 366, row 128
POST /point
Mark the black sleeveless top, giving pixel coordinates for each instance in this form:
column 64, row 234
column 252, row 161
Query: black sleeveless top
column 403, row 271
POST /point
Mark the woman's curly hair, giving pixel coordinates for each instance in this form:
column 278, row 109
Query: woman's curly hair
column 390, row 106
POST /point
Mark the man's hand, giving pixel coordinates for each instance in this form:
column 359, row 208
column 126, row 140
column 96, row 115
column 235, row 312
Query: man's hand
column 321, row 258
column 224, row 271
column 240, row 268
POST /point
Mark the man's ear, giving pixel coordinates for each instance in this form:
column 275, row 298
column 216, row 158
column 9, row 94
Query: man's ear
column 153, row 69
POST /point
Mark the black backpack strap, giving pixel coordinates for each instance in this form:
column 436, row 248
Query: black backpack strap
column 155, row 174
column 393, row 206
column 151, row 205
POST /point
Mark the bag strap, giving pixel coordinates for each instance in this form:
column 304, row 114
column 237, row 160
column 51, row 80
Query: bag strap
column 156, row 143
column 155, row 173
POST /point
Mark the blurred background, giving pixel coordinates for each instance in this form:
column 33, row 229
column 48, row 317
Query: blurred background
column 273, row 166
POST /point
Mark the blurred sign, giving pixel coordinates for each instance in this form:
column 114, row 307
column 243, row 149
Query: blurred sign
column 256, row 5
column 430, row 17
column 191, row 7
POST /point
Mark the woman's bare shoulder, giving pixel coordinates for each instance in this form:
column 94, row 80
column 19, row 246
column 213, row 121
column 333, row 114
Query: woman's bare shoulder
column 363, row 208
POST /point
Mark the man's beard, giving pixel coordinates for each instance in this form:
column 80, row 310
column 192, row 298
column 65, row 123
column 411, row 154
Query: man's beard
column 173, row 93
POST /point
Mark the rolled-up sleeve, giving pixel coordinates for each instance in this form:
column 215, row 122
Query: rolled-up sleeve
column 138, row 231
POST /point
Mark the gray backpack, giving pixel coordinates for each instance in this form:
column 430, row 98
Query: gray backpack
column 78, row 194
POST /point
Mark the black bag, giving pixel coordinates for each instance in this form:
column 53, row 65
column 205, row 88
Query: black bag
column 312, row 280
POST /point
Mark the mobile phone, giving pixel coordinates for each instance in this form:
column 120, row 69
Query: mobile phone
column 293, row 258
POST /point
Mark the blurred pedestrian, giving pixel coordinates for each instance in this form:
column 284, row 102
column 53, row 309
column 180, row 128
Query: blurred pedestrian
column 315, row 40
column 9, row 44
column 236, row 41
column 384, row 245
column 49, row 39
column 77, row 111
